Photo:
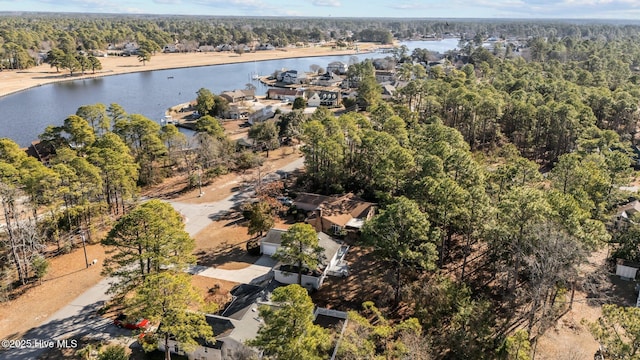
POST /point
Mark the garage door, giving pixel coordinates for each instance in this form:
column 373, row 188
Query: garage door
column 268, row 249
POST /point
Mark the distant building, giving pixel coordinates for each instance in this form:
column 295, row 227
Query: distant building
column 265, row 47
column 337, row 67
column 284, row 94
column 239, row 95
column 329, row 79
column 291, row 77
column 328, row 99
column 170, row 48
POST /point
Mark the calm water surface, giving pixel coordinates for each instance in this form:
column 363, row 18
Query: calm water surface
column 25, row 114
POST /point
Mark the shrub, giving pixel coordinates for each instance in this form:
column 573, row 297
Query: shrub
column 40, row 266
column 114, row 352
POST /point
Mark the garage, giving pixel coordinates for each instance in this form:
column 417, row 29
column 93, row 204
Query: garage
column 271, row 242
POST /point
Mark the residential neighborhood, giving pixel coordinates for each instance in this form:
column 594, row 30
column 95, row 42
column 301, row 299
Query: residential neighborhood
column 288, row 187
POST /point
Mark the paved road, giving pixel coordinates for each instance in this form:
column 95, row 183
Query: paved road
column 80, row 317
column 73, row 321
column 200, row 216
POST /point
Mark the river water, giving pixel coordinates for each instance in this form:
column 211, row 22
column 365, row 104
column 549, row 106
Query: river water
column 25, row 115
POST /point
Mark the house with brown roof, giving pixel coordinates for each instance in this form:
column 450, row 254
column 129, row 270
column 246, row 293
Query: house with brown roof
column 239, row 95
column 43, row 151
column 335, row 214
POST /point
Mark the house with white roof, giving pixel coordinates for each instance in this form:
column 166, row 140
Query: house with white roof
column 337, row 67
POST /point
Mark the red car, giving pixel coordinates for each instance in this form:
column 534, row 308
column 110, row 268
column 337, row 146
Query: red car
column 121, row 321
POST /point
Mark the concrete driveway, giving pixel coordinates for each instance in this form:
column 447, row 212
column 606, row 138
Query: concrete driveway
column 252, row 274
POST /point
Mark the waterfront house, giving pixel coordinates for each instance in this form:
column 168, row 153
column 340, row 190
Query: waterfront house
column 239, row 95
column 284, row 94
column 337, row 67
column 224, row 47
column 291, row 77
column 170, row 48
column 265, row 47
column 328, row 79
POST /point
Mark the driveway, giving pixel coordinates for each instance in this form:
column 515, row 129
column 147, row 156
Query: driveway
column 80, row 317
column 199, row 216
column 252, row 274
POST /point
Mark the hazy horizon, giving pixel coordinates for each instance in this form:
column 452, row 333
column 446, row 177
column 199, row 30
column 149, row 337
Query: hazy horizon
column 451, row 9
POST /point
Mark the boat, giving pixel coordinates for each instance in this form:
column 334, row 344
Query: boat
column 255, row 75
column 167, row 120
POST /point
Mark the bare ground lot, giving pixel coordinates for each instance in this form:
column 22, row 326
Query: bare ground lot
column 68, row 277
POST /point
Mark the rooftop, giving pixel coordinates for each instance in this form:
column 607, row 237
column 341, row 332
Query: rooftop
column 274, row 236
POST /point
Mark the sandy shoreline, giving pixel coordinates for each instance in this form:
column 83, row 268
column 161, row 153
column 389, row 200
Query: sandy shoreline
column 15, row 81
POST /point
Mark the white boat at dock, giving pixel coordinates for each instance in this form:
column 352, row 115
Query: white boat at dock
column 167, row 120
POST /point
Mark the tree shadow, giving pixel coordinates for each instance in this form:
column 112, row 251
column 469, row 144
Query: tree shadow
column 603, row 287
column 67, row 274
column 236, row 220
column 226, row 254
column 362, row 284
column 58, row 76
column 87, row 321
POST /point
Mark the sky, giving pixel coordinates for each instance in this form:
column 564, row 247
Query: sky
column 546, row 9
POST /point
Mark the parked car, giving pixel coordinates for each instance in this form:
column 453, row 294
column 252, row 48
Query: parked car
column 123, row 322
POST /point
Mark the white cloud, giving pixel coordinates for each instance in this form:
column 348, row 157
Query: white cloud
column 242, row 4
column 410, row 6
column 327, row 3
column 561, row 9
column 167, row 2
